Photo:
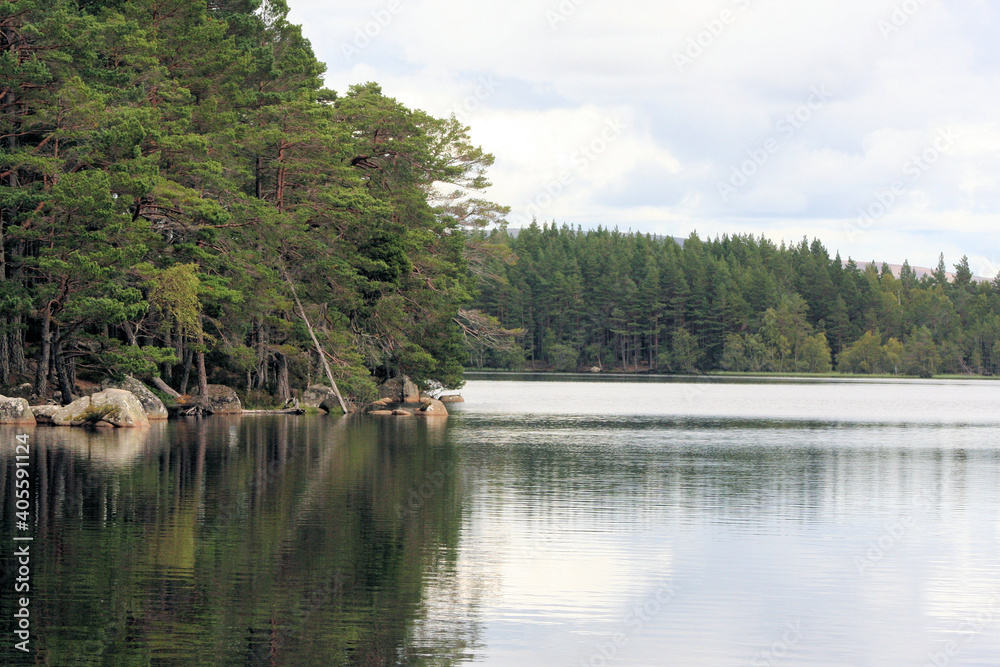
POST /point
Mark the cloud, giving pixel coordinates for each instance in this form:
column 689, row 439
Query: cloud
column 898, row 72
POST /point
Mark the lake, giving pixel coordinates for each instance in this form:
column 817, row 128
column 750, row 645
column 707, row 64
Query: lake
column 551, row 520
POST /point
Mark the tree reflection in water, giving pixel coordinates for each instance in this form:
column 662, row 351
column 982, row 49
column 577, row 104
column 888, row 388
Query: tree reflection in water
column 264, row 540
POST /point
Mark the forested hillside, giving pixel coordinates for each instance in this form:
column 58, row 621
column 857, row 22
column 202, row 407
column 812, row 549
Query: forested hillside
column 628, row 301
column 174, row 176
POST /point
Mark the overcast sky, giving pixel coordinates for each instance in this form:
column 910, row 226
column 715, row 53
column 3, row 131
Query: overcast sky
column 873, row 125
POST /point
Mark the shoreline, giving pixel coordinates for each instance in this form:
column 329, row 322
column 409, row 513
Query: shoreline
column 718, row 375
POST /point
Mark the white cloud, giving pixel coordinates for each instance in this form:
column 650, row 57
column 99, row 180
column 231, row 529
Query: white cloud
column 898, row 72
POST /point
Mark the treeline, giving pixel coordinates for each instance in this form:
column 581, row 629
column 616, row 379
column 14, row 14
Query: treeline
column 179, row 195
column 628, row 301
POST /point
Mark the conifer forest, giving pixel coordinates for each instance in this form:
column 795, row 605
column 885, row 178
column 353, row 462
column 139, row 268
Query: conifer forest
column 182, row 198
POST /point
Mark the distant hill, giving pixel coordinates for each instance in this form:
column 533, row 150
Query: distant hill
column 921, row 271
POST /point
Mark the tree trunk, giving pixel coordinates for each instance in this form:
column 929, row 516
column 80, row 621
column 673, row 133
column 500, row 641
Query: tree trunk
column 284, row 389
column 164, row 387
column 188, row 356
column 168, row 368
column 42, row 370
column 62, row 372
column 319, row 349
column 19, row 365
column 279, row 195
column 202, row 375
column 5, row 358
column 258, row 184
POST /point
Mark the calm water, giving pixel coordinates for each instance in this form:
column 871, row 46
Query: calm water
column 547, row 522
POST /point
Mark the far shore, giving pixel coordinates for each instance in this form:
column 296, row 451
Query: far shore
column 731, row 374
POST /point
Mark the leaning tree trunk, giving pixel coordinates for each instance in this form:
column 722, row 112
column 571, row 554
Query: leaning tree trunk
column 319, row 348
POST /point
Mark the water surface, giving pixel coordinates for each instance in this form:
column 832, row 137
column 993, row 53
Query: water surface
column 547, row 522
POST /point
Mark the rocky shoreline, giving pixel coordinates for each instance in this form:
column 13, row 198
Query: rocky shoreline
column 131, row 404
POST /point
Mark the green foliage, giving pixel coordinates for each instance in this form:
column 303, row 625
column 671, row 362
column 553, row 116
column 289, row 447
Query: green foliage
column 173, row 170
column 119, row 360
column 174, row 292
column 684, row 354
column 815, row 355
column 564, row 357
column 920, row 356
column 738, row 303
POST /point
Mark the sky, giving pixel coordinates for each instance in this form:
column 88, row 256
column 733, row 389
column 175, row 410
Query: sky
column 871, row 125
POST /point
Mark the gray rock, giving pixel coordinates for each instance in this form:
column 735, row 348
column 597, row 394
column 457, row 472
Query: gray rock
column 451, row 398
column 151, row 403
column 43, row 413
column 322, row 397
column 15, row 411
column 223, row 400
column 400, row 390
column 125, row 410
column 433, row 408
column 23, row 390
column 411, row 393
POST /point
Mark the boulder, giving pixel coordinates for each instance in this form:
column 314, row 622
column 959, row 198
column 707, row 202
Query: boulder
column 400, row 390
column 322, row 397
column 24, row 390
column 452, row 398
column 115, row 406
column 402, row 413
column 15, row 411
column 222, row 400
column 595, row 369
column 43, row 413
column 411, row 393
column 151, row 403
column 381, row 413
column 433, row 408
